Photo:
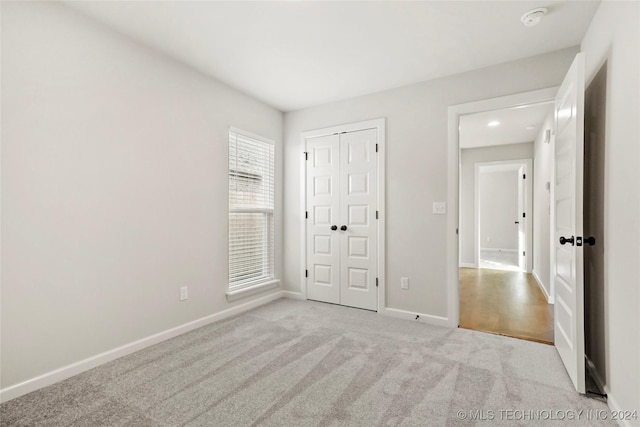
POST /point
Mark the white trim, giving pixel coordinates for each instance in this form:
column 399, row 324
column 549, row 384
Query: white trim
column 498, row 250
column 292, row 295
column 548, row 297
column 468, row 265
column 453, row 174
column 76, row 368
column 411, row 315
column 252, row 290
column 612, row 402
column 251, row 135
column 379, row 125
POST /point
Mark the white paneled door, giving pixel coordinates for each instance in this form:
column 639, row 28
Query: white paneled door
column 568, row 269
column 342, row 249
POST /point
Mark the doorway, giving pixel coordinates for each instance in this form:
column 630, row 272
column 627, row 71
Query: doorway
column 595, row 291
column 343, row 220
column 498, row 293
column 503, row 214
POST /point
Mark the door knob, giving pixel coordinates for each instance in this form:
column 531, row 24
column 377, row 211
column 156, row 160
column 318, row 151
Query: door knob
column 334, row 227
column 517, row 222
column 343, row 228
column 590, row 241
column 564, row 240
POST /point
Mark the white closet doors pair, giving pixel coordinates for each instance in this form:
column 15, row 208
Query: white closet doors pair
column 342, row 258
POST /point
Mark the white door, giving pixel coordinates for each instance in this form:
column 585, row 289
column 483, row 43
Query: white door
column 521, row 221
column 341, row 225
column 568, row 268
column 323, row 211
column 358, row 245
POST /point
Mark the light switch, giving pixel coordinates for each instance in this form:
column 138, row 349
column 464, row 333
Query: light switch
column 439, row 208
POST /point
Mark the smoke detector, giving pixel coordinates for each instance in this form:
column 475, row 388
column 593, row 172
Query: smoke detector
column 534, row 16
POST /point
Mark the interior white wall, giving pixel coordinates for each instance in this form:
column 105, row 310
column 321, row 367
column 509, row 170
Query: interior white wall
column 468, row 159
column 542, row 167
column 614, row 37
column 416, row 165
column 498, row 194
column 114, row 189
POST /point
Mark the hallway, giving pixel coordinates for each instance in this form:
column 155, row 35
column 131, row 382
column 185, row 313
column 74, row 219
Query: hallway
column 505, row 303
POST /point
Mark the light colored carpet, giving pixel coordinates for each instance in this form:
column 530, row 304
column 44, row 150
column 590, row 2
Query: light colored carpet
column 302, row 363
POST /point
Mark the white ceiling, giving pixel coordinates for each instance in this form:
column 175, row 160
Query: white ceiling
column 297, row 54
column 475, row 132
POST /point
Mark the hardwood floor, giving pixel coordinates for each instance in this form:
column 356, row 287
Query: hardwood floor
column 505, row 303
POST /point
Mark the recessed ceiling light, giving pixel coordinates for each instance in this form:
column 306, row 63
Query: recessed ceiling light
column 533, row 17
column 493, row 123
column 530, row 127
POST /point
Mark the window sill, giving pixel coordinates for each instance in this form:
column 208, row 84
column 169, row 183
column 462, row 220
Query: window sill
column 252, row 290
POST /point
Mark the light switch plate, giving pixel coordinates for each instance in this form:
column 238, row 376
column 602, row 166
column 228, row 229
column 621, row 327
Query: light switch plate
column 439, row 208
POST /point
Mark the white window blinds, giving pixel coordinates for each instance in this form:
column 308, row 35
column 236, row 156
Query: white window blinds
column 251, row 202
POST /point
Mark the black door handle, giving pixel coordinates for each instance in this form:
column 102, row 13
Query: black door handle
column 517, row 222
column 334, row 227
column 343, row 228
column 564, row 240
column 590, row 241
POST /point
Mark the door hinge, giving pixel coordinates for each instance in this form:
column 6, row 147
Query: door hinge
column 376, row 214
column 306, row 273
column 306, row 155
column 306, row 214
column 457, row 231
column 376, row 148
column 524, row 176
column 376, row 282
column 523, row 253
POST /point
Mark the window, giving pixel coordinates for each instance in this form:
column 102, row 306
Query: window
column 251, row 202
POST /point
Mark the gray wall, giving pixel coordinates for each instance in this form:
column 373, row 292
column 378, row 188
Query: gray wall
column 416, row 166
column 542, row 167
column 468, row 159
column 114, row 188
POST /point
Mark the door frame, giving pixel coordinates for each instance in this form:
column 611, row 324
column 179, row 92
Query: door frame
column 454, row 169
column 379, row 125
column 528, row 203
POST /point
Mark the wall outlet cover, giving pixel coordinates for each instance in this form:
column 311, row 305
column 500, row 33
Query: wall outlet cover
column 439, row 208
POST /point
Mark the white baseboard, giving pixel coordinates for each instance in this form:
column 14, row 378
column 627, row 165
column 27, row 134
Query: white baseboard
column 423, row 318
column 613, row 406
column 76, row 368
column 542, row 288
column 468, row 265
column 292, row 295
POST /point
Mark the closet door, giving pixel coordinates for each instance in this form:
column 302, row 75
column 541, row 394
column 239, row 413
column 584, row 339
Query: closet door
column 323, row 210
column 357, row 228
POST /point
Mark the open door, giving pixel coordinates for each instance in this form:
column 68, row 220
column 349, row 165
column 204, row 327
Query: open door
column 567, row 242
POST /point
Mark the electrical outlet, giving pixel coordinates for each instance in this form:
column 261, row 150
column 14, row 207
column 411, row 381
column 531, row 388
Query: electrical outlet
column 404, row 283
column 439, row 208
column 184, row 293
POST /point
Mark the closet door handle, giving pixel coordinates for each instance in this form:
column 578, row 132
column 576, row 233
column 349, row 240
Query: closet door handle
column 334, row 227
column 343, row 228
